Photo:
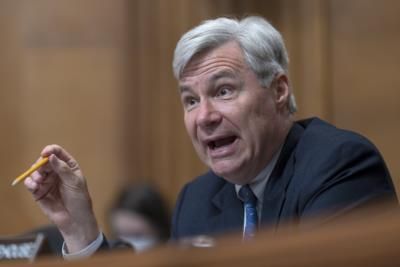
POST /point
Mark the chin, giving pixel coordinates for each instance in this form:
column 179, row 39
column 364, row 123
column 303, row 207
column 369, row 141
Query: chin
column 221, row 170
column 226, row 171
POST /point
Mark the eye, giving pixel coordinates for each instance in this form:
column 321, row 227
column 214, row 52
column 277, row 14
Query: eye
column 189, row 102
column 224, row 92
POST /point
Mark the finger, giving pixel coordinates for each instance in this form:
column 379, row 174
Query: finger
column 42, row 178
column 38, row 190
column 31, row 185
column 45, row 169
column 38, row 176
column 43, row 193
column 61, row 153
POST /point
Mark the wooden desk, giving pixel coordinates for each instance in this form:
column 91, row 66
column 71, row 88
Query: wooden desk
column 371, row 238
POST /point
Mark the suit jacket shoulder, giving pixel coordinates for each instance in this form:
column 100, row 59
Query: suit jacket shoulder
column 335, row 171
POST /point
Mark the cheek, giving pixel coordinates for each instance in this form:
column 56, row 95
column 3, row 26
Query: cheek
column 256, row 120
column 190, row 126
column 249, row 112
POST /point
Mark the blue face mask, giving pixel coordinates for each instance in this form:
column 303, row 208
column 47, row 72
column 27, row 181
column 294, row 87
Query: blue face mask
column 140, row 243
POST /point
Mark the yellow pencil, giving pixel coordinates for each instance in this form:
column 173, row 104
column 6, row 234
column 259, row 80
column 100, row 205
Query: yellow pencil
column 30, row 171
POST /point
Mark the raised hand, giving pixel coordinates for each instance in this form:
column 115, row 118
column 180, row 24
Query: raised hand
column 60, row 189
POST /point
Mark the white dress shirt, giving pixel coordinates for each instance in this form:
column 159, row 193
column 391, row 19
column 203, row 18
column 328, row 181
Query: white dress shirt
column 258, row 184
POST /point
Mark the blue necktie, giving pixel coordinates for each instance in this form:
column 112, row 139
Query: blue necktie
column 250, row 208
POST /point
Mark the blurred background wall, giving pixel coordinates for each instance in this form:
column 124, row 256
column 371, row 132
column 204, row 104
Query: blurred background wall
column 95, row 77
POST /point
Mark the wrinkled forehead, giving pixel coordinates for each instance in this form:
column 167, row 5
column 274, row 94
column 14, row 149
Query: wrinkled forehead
column 228, row 55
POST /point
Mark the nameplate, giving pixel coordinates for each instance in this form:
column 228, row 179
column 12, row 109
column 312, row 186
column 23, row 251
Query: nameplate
column 21, row 248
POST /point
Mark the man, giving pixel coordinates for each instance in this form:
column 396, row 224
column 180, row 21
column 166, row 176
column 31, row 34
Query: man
column 238, row 111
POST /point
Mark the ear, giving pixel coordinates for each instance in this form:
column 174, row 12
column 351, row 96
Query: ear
column 281, row 90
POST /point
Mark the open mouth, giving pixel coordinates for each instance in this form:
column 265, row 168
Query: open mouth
column 226, row 141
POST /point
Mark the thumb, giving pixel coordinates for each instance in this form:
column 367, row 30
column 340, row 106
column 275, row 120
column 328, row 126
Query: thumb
column 69, row 173
column 60, row 167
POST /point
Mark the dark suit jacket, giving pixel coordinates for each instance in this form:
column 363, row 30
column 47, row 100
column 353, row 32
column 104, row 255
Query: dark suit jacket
column 321, row 169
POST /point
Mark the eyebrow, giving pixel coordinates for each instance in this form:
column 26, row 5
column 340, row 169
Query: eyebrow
column 214, row 77
column 183, row 89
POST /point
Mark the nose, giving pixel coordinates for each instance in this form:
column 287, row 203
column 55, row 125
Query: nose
column 208, row 115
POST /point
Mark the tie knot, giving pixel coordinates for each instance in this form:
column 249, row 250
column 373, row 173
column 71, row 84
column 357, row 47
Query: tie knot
column 247, row 195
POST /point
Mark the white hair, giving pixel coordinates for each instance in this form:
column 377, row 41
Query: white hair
column 262, row 46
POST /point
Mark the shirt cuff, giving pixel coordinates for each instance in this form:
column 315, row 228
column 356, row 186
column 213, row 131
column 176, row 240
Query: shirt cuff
column 84, row 253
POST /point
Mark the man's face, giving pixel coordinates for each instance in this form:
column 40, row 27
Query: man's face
column 234, row 123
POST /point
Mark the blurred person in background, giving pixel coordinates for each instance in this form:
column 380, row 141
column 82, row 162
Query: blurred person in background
column 139, row 217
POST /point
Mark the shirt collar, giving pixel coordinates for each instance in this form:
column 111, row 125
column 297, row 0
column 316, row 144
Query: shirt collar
column 258, row 184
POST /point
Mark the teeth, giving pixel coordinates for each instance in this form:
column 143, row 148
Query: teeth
column 222, row 142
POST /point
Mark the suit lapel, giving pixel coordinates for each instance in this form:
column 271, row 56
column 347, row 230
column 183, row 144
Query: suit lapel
column 275, row 190
column 229, row 216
